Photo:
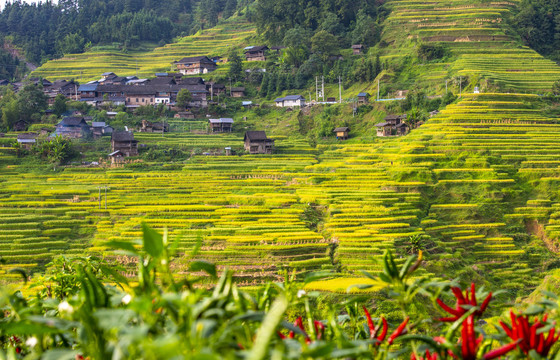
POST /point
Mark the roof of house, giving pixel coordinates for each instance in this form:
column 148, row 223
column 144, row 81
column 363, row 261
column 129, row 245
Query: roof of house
column 98, row 124
column 221, row 121
column 114, row 153
column 122, row 136
column 27, row 136
column 290, row 97
column 383, row 124
column 341, row 129
column 256, row 136
column 402, row 125
column 362, row 94
column 358, row 46
column 237, row 89
column 192, row 81
column 108, row 74
column 194, row 59
column 256, row 49
column 88, row 87
column 246, row 103
column 72, row 121
column 392, row 117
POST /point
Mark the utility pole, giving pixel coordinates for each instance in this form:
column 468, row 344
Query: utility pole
column 212, row 92
column 99, row 196
column 446, row 86
column 340, row 90
column 323, row 88
column 105, row 197
column 316, row 89
column 163, row 127
column 377, row 89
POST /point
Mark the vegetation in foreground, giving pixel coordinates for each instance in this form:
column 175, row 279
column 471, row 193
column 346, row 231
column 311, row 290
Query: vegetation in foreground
column 85, row 309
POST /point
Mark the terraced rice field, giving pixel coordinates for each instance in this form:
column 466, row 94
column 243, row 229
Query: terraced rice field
column 474, row 33
column 472, row 178
column 90, row 65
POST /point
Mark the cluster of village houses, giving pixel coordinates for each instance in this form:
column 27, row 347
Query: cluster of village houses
column 133, row 92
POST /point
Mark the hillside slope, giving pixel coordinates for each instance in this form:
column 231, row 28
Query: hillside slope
column 89, row 65
column 482, row 47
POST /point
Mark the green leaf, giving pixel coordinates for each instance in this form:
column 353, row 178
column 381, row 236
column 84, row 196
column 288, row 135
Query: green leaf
column 153, row 241
column 550, row 294
column 205, row 266
column 19, row 271
column 359, row 286
column 122, row 245
column 534, row 310
column 267, row 330
column 60, row 354
column 314, row 276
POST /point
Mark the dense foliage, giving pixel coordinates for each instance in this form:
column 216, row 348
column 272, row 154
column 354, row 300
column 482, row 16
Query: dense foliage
column 84, row 308
column 10, row 66
column 49, row 29
column 538, row 23
column 26, row 105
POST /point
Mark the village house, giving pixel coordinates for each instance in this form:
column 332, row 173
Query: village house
column 73, row 127
column 363, row 98
column 99, row 129
column 27, row 140
column 256, row 53
column 341, row 133
column 187, row 115
column 215, row 89
column 290, row 101
column 237, row 92
column 256, row 142
column 402, row 129
column 221, row 125
column 124, row 142
column 157, row 127
column 384, row 129
column 68, row 89
column 358, row 49
column 195, row 65
column 4, row 82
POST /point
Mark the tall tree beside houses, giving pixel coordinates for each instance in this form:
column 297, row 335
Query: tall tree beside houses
column 236, row 66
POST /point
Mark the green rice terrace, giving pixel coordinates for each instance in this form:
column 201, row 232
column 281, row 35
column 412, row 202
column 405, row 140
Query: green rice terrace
column 147, row 61
column 481, row 46
column 473, row 181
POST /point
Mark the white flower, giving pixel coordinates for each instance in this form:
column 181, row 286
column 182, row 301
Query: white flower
column 301, row 293
column 163, row 262
column 126, row 299
column 31, row 342
column 64, row 307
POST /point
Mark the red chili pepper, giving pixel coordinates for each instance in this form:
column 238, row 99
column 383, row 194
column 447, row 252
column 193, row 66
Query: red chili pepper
column 372, row 331
column 398, row 332
column 319, row 329
column 500, row 351
column 383, row 334
column 525, row 334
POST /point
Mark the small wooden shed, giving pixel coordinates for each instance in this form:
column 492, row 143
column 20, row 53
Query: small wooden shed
column 341, row 133
column 256, row 142
column 358, row 49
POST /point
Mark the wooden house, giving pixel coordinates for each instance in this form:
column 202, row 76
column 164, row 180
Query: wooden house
column 184, row 115
column 384, row 129
column 341, row 133
column 73, row 127
column 27, row 140
column 124, row 142
column 256, row 53
column 196, row 65
column 157, row 127
column 100, row 128
column 393, row 120
column 358, row 49
column 221, row 125
column 256, row 142
column 237, row 92
column 363, row 98
column 402, row 128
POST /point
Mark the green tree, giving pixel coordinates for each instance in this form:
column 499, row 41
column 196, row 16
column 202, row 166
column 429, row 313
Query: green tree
column 60, row 104
column 324, row 44
column 10, row 113
column 236, row 66
column 71, row 44
column 183, row 98
column 31, row 101
column 365, row 30
column 556, row 87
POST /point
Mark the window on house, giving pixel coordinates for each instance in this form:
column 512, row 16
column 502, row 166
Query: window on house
column 136, row 99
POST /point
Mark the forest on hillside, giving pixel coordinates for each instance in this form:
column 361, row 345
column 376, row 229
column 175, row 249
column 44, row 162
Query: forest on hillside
column 48, row 30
